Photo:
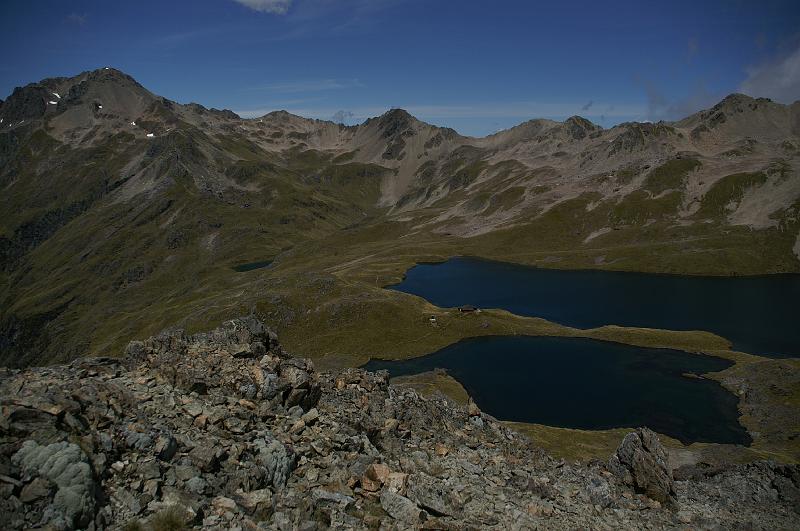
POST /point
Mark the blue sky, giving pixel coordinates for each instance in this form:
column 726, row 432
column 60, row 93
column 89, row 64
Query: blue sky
column 476, row 66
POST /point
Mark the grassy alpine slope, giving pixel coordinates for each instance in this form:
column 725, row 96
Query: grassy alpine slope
column 109, row 234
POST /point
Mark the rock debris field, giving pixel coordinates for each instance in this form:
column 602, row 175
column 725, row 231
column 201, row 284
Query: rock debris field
column 225, row 430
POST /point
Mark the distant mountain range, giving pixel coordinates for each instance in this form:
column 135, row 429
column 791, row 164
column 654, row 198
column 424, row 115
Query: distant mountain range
column 124, row 212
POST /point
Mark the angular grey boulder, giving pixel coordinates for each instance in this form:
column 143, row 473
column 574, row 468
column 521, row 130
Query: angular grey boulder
column 277, row 459
column 642, row 462
column 401, row 508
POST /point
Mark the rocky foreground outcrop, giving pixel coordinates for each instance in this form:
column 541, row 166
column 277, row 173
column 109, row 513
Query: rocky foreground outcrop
column 225, row 430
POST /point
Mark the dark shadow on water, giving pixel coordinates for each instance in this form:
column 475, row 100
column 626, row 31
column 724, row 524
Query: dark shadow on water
column 242, row 268
column 758, row 314
column 588, row 384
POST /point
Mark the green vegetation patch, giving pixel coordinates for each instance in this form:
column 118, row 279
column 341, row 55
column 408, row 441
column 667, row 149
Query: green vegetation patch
column 306, row 160
column 670, row 175
column 574, row 445
column 506, row 199
column 477, row 202
column 172, row 518
column 626, row 175
column 426, row 172
column 433, row 383
column 248, row 171
column 728, row 191
column 638, row 207
column 239, row 146
column 466, row 175
column 344, row 157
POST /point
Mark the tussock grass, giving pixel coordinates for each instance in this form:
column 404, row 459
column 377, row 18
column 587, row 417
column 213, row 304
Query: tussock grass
column 172, row 518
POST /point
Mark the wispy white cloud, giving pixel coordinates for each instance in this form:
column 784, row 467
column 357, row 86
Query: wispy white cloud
column 661, row 106
column 312, row 85
column 363, row 14
column 277, row 7
column 77, row 18
column 777, row 79
column 343, row 117
column 442, row 113
column 523, row 109
column 692, row 47
column 314, row 18
column 322, row 113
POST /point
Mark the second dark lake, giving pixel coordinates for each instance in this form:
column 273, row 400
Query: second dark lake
column 758, row 314
column 588, row 384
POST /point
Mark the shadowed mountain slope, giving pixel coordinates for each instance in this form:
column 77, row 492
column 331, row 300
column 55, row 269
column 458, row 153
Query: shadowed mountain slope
column 124, row 212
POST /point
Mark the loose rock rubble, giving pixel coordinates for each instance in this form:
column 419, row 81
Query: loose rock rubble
column 224, row 430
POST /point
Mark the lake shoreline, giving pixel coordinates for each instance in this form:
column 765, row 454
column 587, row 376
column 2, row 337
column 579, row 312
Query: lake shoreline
column 752, row 312
column 555, row 266
column 585, row 384
column 774, row 442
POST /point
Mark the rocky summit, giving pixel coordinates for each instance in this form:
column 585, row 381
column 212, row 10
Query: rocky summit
column 226, row 430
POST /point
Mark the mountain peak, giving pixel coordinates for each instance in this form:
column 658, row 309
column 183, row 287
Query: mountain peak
column 577, row 119
column 738, row 97
column 396, row 122
column 25, row 103
column 745, row 110
column 397, row 113
column 280, row 114
column 579, row 127
column 740, row 102
column 107, row 74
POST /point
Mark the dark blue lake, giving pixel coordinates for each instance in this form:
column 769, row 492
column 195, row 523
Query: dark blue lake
column 758, row 315
column 588, row 384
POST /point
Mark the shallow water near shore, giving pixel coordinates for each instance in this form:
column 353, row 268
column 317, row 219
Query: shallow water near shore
column 757, row 314
column 588, row 384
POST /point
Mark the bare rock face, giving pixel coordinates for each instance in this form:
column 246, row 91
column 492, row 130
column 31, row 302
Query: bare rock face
column 25, row 103
column 241, row 357
column 641, row 461
column 224, row 430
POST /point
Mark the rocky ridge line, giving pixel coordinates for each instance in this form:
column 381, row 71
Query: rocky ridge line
column 225, row 430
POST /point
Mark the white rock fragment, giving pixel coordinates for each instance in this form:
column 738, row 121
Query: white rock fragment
column 56, row 95
column 150, row 135
column 53, row 102
column 133, row 123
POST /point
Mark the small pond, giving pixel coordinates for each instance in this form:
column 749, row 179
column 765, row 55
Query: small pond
column 250, row 266
column 588, row 384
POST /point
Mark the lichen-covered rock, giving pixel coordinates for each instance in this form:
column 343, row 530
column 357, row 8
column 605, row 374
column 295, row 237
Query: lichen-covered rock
column 277, row 459
column 65, row 466
column 641, row 461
